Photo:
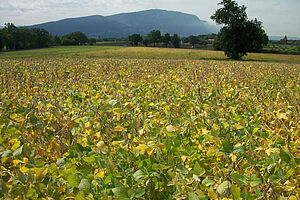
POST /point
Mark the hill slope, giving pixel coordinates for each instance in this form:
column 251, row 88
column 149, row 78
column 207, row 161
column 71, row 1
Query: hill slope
column 165, row 21
column 92, row 26
column 121, row 25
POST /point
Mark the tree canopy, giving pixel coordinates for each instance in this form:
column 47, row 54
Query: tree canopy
column 135, row 39
column 239, row 35
column 166, row 39
column 154, row 37
column 14, row 38
column 75, row 38
column 176, row 41
column 193, row 40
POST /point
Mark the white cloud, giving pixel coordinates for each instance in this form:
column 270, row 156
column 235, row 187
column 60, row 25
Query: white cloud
column 279, row 17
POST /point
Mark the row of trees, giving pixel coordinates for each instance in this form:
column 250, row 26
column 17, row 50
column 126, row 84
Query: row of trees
column 76, row 38
column 155, row 37
column 16, row 38
column 201, row 40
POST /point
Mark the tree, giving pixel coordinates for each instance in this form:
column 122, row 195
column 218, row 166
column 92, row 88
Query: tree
column 239, row 35
column 284, row 40
column 217, row 43
column 154, row 37
column 25, row 38
column 10, row 32
column 166, row 39
column 75, row 38
column 92, row 41
column 193, row 40
column 176, row 41
column 79, row 37
column 135, row 39
column 146, row 42
column 66, row 41
column 55, row 40
column 42, row 37
column 2, row 39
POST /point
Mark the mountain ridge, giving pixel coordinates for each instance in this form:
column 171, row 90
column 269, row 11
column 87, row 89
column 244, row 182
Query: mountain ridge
column 124, row 24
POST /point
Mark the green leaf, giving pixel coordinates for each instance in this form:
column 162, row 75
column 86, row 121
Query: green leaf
column 120, row 192
column 193, row 196
column 254, row 181
column 89, row 159
column 138, row 175
column 84, row 185
column 139, row 193
column 113, row 102
column 227, row 147
column 60, row 162
column 6, row 153
column 224, row 189
column 236, row 192
column 241, row 180
column 80, row 196
column 208, row 182
column 198, row 170
column 108, row 179
column 18, row 151
column 285, row 156
column 136, row 193
column 73, row 180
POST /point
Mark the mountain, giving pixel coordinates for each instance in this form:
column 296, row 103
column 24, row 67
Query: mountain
column 122, row 25
column 165, row 21
column 92, row 26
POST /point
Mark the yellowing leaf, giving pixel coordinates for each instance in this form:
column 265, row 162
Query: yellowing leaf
column 238, row 126
column 100, row 144
column 142, row 132
column 293, row 197
column 212, row 194
column 24, row 169
column 120, row 129
column 16, row 162
column 215, row 127
column 141, row 149
column 87, row 125
column 151, row 104
column 150, row 151
column 99, row 173
column 117, row 143
column 282, row 116
column 129, row 105
column 41, row 173
column 184, row 158
column 171, row 128
column 17, row 118
column 16, row 144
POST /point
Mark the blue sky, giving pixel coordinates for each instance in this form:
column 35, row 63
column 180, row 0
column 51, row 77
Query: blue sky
column 280, row 17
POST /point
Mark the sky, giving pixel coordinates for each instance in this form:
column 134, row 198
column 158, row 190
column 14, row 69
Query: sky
column 279, row 17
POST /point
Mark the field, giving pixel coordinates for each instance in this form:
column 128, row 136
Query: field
column 142, row 53
column 138, row 123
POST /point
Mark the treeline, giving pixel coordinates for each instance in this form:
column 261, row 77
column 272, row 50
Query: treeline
column 155, row 38
column 16, row 38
